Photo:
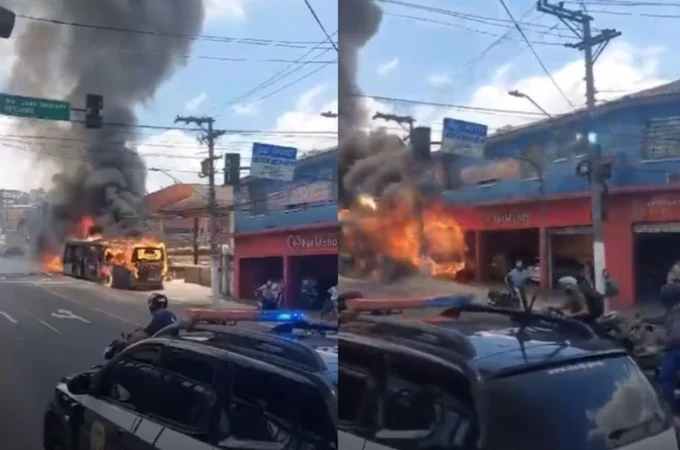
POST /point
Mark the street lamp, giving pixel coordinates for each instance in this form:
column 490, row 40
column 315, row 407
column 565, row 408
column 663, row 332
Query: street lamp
column 329, row 115
column 519, row 94
column 7, row 20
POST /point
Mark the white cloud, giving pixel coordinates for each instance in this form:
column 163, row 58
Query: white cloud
column 439, row 80
column 388, row 67
column 195, row 102
column 246, row 109
column 224, row 9
column 621, row 69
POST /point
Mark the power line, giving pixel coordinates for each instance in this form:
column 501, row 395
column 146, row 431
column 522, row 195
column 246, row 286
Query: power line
column 538, row 58
column 461, row 107
column 278, row 76
column 318, row 21
column 184, row 56
column 199, row 37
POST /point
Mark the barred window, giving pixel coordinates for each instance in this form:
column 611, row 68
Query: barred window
column 661, row 138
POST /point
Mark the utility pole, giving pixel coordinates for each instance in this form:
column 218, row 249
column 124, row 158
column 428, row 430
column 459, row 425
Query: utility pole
column 208, row 170
column 579, row 23
column 400, row 120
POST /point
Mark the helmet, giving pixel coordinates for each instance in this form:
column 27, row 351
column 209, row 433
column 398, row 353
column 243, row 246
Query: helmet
column 157, row 301
column 567, row 283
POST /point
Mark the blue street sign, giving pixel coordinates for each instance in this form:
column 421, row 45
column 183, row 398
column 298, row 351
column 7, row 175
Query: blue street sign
column 464, row 138
column 273, row 162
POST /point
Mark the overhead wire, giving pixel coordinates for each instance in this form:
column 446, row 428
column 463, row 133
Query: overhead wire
column 318, row 21
column 533, row 51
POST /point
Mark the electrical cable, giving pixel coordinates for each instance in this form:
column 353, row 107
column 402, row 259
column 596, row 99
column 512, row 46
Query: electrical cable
column 538, row 58
column 318, row 21
column 200, row 37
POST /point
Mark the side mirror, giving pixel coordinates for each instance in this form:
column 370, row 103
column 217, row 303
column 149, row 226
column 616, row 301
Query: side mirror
column 80, row 384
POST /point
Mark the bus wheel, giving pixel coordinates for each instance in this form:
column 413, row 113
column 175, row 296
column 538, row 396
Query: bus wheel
column 108, row 280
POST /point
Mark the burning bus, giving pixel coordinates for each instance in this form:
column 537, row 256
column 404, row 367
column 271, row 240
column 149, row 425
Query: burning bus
column 121, row 264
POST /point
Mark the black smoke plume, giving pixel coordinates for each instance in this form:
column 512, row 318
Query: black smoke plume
column 100, row 173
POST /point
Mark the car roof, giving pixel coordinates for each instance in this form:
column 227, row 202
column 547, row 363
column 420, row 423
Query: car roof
column 493, row 344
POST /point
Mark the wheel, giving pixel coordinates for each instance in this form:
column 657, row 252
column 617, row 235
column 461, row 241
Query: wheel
column 54, row 437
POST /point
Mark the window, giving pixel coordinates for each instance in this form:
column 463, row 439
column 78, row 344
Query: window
column 550, row 409
column 408, row 400
column 188, row 398
column 661, row 138
column 271, row 408
column 133, row 379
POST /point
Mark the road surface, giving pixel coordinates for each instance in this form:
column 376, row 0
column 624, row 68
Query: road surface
column 51, row 326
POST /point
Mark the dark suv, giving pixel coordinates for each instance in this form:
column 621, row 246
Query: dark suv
column 203, row 387
column 478, row 377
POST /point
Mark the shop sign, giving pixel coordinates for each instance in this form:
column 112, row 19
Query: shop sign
column 298, row 242
column 510, row 217
column 657, row 208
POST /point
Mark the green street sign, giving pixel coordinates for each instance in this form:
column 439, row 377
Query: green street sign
column 35, row 108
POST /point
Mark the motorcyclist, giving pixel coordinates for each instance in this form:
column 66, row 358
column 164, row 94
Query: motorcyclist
column 161, row 317
column 583, row 303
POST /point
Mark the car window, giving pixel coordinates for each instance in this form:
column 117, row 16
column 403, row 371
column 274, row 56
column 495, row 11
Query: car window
column 411, row 405
column 592, row 405
column 189, row 398
column 266, row 407
column 133, row 379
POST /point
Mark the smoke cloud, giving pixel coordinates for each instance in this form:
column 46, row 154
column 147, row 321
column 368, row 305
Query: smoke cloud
column 376, row 162
column 100, row 172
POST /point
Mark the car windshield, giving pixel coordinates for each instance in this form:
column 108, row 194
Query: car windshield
column 590, row 405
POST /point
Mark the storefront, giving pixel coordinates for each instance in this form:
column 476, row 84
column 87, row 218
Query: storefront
column 288, row 255
column 641, row 237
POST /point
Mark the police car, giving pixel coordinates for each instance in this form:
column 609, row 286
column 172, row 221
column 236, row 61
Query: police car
column 480, row 377
column 201, row 385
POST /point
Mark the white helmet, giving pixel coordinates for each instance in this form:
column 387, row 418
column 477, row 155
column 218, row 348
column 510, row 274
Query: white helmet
column 567, row 282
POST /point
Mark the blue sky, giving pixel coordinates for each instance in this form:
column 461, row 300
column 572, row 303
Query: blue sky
column 205, row 87
column 410, row 57
column 446, row 62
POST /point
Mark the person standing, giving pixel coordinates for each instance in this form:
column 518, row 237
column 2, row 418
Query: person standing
column 611, row 288
column 516, row 279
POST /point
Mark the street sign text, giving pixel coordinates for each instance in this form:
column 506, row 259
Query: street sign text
column 36, row 108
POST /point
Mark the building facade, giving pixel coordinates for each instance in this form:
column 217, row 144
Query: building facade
column 288, row 231
column 527, row 186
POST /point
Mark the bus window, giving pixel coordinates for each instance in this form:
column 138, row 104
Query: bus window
column 147, row 254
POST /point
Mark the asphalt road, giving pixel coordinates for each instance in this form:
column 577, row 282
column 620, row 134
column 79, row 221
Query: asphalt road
column 51, row 326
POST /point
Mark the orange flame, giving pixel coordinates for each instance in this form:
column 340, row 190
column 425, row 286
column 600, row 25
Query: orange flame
column 435, row 243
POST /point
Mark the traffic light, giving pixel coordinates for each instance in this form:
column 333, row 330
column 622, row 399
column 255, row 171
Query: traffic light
column 232, row 169
column 421, row 138
column 93, row 111
column 7, row 20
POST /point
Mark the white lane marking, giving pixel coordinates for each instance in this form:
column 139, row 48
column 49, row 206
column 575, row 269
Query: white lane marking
column 57, row 294
column 43, row 322
column 8, row 317
column 66, row 314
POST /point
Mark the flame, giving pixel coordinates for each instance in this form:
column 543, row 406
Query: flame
column 435, row 244
column 118, row 252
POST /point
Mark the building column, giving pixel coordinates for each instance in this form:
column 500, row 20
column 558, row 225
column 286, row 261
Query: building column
column 544, row 256
column 289, row 288
column 481, row 257
column 236, row 286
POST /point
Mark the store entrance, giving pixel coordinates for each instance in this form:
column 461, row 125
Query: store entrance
column 657, row 248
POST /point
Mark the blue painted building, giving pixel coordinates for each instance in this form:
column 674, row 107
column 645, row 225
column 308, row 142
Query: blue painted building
column 527, row 180
column 288, row 230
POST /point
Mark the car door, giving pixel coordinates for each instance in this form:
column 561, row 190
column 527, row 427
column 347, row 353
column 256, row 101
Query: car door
column 123, row 391
column 186, row 405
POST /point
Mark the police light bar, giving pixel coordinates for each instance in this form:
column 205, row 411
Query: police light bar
column 449, row 301
column 244, row 315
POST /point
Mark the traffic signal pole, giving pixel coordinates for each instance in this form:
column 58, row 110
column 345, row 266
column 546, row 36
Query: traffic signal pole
column 579, row 23
column 210, row 137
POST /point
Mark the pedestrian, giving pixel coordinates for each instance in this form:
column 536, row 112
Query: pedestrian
column 589, row 273
column 611, row 288
column 670, row 360
column 516, row 279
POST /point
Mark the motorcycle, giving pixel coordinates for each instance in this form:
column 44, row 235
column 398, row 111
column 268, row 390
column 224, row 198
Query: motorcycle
column 509, row 299
column 116, row 346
